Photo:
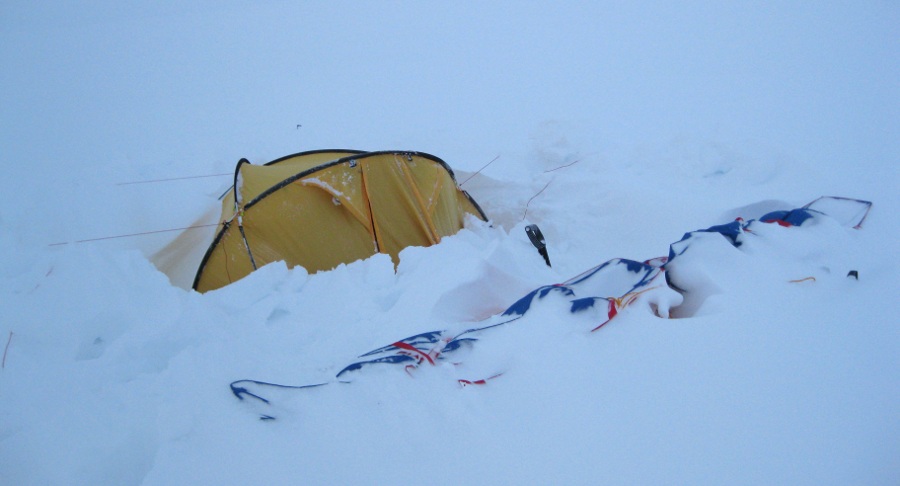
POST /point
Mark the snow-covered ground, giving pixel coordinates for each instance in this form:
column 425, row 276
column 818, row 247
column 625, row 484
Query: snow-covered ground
column 615, row 128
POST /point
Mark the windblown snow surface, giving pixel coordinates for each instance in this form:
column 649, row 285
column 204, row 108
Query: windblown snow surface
column 616, row 127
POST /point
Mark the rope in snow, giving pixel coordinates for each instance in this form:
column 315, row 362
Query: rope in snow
column 479, row 170
column 134, row 234
column 546, row 185
column 839, row 198
column 532, row 198
column 3, row 366
column 171, row 179
column 563, row 166
column 240, row 391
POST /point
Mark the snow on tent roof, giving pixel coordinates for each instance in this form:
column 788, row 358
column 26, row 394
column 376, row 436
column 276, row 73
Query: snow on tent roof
column 322, row 208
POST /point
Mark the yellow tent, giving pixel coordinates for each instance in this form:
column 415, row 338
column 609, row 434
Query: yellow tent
column 322, row 208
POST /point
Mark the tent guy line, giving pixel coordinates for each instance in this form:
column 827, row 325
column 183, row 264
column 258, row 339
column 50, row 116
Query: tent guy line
column 134, row 234
column 525, row 214
column 479, row 170
column 5, row 350
column 172, row 179
column 563, row 166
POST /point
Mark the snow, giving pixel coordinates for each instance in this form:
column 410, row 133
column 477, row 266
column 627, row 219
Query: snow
column 616, row 128
column 313, row 181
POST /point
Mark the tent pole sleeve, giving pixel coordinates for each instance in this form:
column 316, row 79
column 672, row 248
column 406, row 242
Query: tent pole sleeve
column 244, row 237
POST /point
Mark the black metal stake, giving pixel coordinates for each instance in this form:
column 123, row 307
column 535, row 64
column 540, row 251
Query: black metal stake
column 537, row 239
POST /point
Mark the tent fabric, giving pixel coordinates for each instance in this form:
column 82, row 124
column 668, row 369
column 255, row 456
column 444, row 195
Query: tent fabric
column 624, row 281
column 618, row 278
column 794, row 217
column 323, row 208
column 846, row 211
column 613, row 285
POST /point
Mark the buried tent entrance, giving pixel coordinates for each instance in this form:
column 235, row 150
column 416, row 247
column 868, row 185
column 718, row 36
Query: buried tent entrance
column 323, row 208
